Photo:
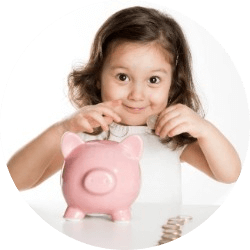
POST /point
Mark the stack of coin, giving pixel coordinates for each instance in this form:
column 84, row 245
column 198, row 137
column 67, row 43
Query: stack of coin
column 172, row 230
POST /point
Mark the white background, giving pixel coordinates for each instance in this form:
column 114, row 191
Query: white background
column 36, row 93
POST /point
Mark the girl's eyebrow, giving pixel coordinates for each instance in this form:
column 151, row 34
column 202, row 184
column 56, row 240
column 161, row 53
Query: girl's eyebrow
column 118, row 67
column 160, row 70
column 154, row 70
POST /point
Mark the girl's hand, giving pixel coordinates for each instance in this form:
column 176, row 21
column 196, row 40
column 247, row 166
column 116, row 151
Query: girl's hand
column 93, row 116
column 178, row 119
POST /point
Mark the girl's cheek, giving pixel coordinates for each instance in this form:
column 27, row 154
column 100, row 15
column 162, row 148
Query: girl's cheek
column 158, row 100
column 113, row 93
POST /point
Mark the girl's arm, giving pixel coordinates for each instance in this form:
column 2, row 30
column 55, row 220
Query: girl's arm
column 30, row 163
column 42, row 157
column 212, row 153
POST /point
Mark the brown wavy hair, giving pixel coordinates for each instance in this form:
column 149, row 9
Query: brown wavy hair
column 139, row 25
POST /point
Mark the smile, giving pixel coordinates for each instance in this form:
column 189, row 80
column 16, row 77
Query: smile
column 134, row 109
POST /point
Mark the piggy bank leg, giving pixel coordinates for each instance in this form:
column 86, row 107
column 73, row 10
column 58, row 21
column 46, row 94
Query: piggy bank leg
column 121, row 215
column 72, row 213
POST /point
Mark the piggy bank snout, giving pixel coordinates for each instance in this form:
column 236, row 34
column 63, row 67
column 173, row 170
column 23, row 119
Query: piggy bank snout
column 99, row 181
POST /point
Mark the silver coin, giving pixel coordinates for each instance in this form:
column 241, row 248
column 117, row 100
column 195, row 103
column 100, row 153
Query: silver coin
column 175, row 227
column 151, row 121
column 185, row 217
column 176, row 222
column 172, row 231
column 118, row 130
column 167, row 240
column 161, row 242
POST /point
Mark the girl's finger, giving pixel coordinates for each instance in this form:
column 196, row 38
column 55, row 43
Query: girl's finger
column 113, row 103
column 168, row 126
column 165, row 118
column 106, row 111
column 85, row 125
column 165, row 111
column 96, row 120
column 108, row 119
column 181, row 128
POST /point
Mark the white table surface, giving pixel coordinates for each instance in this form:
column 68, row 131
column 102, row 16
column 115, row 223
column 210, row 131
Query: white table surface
column 143, row 231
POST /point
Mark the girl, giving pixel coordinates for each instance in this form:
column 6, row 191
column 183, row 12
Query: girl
column 140, row 65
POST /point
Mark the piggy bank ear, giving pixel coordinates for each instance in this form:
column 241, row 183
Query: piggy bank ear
column 69, row 142
column 134, row 145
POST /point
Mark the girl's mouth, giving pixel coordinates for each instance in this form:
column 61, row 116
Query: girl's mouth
column 134, row 109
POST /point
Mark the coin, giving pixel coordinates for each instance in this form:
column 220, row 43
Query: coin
column 170, row 236
column 172, row 231
column 169, row 226
column 163, row 241
column 118, row 130
column 176, row 222
column 151, row 121
column 185, row 217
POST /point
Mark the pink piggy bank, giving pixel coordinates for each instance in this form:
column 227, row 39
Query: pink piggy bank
column 100, row 176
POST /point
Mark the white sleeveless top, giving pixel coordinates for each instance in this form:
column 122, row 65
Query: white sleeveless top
column 160, row 165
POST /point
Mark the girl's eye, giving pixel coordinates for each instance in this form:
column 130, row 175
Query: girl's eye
column 122, row 77
column 154, row 79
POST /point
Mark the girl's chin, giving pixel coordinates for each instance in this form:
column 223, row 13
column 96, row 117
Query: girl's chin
column 133, row 122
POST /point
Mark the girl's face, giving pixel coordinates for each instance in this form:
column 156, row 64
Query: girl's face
column 139, row 75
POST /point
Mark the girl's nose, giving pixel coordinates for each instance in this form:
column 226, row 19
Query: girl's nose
column 137, row 92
